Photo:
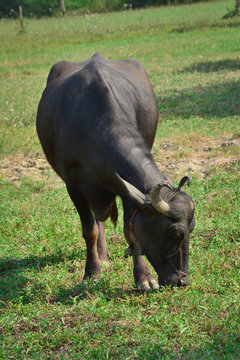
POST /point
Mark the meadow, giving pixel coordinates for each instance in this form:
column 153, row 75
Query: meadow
column 192, row 56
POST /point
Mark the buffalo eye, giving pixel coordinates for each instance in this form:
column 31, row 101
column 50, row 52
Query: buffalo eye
column 178, row 233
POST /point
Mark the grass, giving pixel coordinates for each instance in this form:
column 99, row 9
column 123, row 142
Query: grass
column 192, row 57
column 47, row 313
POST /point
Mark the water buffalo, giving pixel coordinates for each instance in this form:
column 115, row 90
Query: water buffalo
column 96, row 122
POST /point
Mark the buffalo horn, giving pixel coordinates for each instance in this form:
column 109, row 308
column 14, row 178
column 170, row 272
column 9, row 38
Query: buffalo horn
column 157, row 202
column 131, row 191
column 185, row 179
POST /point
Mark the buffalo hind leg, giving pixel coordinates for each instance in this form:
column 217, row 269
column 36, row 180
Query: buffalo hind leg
column 90, row 234
column 143, row 278
column 102, row 244
column 93, row 266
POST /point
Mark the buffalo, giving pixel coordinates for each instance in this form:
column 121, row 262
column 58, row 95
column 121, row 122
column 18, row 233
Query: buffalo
column 96, row 122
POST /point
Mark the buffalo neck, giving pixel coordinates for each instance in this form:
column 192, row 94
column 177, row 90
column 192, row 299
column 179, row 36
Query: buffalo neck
column 134, row 162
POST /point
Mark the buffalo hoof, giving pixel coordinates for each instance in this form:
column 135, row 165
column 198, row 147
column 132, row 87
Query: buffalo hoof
column 92, row 271
column 147, row 284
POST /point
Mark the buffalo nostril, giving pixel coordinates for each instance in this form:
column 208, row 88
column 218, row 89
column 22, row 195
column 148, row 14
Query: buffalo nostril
column 184, row 281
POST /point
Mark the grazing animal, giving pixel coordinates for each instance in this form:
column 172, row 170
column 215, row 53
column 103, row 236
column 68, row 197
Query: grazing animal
column 96, row 122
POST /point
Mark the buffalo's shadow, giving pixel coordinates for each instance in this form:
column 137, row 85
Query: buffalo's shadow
column 221, row 100
column 213, row 66
column 13, row 282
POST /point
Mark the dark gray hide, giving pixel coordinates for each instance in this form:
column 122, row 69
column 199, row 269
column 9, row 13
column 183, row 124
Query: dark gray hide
column 97, row 121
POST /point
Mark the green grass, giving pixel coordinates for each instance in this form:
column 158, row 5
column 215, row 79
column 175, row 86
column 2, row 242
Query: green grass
column 47, row 313
column 192, row 57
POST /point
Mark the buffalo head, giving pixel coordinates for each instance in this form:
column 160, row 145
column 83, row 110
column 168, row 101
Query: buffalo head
column 160, row 229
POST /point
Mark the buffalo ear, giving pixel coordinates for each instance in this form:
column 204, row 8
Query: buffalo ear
column 185, row 179
column 132, row 192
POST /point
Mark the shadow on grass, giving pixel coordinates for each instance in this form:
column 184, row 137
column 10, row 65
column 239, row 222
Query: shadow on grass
column 204, row 24
column 213, row 66
column 37, row 262
column 13, row 283
column 220, row 101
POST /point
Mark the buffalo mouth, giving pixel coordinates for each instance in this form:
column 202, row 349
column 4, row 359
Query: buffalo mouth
column 175, row 280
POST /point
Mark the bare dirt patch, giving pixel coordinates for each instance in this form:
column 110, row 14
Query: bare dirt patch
column 199, row 156
column 192, row 155
column 33, row 166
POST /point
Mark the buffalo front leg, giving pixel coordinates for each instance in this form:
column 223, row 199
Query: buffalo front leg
column 143, row 278
column 90, row 232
